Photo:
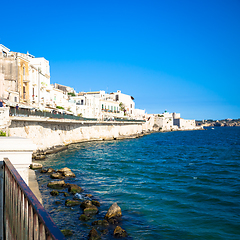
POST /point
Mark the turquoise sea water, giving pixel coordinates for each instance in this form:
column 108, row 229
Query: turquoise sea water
column 175, row 185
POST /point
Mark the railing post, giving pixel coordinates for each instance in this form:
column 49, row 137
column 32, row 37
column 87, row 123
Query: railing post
column 1, row 199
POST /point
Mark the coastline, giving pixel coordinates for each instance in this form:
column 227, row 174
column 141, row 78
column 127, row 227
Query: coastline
column 99, row 180
column 40, row 154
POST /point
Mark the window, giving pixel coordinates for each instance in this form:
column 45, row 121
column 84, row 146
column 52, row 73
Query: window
column 117, row 98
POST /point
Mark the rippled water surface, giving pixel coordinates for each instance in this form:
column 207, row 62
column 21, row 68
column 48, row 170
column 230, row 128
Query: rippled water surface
column 175, row 185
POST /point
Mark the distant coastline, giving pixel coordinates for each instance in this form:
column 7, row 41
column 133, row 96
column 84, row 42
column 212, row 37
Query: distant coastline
column 219, row 123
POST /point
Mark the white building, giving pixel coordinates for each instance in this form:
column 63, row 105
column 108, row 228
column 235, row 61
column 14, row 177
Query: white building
column 172, row 121
column 164, row 121
column 139, row 114
column 128, row 105
column 39, row 74
column 183, row 124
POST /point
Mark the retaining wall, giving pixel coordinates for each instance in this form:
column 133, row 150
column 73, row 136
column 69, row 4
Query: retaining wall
column 46, row 133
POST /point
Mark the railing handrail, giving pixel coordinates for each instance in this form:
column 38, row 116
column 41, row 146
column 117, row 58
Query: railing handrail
column 44, row 217
column 27, row 112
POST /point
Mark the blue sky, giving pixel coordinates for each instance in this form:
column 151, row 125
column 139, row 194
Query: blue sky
column 182, row 56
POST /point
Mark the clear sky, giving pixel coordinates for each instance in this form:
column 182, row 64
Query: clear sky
column 182, row 56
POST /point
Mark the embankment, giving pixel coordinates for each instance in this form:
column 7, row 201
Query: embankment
column 46, row 133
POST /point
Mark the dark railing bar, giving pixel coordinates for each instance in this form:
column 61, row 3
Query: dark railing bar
column 35, row 206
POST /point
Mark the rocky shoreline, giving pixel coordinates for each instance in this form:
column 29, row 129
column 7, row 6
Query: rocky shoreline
column 88, row 206
column 40, row 154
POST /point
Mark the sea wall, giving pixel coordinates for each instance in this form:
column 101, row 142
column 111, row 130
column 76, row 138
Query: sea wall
column 46, row 133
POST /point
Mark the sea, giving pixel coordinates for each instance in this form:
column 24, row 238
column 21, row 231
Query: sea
column 173, row 185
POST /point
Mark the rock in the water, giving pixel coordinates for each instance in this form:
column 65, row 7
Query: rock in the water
column 73, row 188
column 56, row 184
column 70, row 203
column 43, row 171
column 104, row 231
column 91, row 210
column 40, row 157
column 54, row 193
column 88, row 195
column 96, row 203
column 65, row 169
column 113, row 221
column 113, row 211
column 93, row 235
column 66, row 172
column 119, row 232
column 50, row 170
column 101, row 222
column 57, row 176
column 57, row 202
column 66, row 232
column 85, row 217
column 66, row 194
column 86, row 204
column 36, row 166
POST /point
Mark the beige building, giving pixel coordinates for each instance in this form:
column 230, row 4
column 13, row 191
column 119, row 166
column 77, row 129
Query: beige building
column 24, row 78
column 8, row 75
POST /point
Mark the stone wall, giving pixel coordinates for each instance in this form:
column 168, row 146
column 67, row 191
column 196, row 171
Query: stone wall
column 46, row 133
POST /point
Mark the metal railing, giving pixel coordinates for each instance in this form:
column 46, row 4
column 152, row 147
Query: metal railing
column 28, row 112
column 24, row 216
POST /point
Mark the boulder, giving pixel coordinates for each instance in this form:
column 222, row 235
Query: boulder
column 43, row 171
column 73, row 188
column 66, row 172
column 88, row 195
column 90, row 210
column 66, row 194
column 70, row 203
column 57, row 176
column 85, row 217
column 66, row 232
column 104, row 231
column 119, row 232
column 56, row 184
column 50, row 170
column 93, row 235
column 113, row 221
column 54, row 193
column 113, row 211
column 101, row 222
column 40, row 157
column 96, row 203
column 65, row 169
column 86, row 204
column 34, row 166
